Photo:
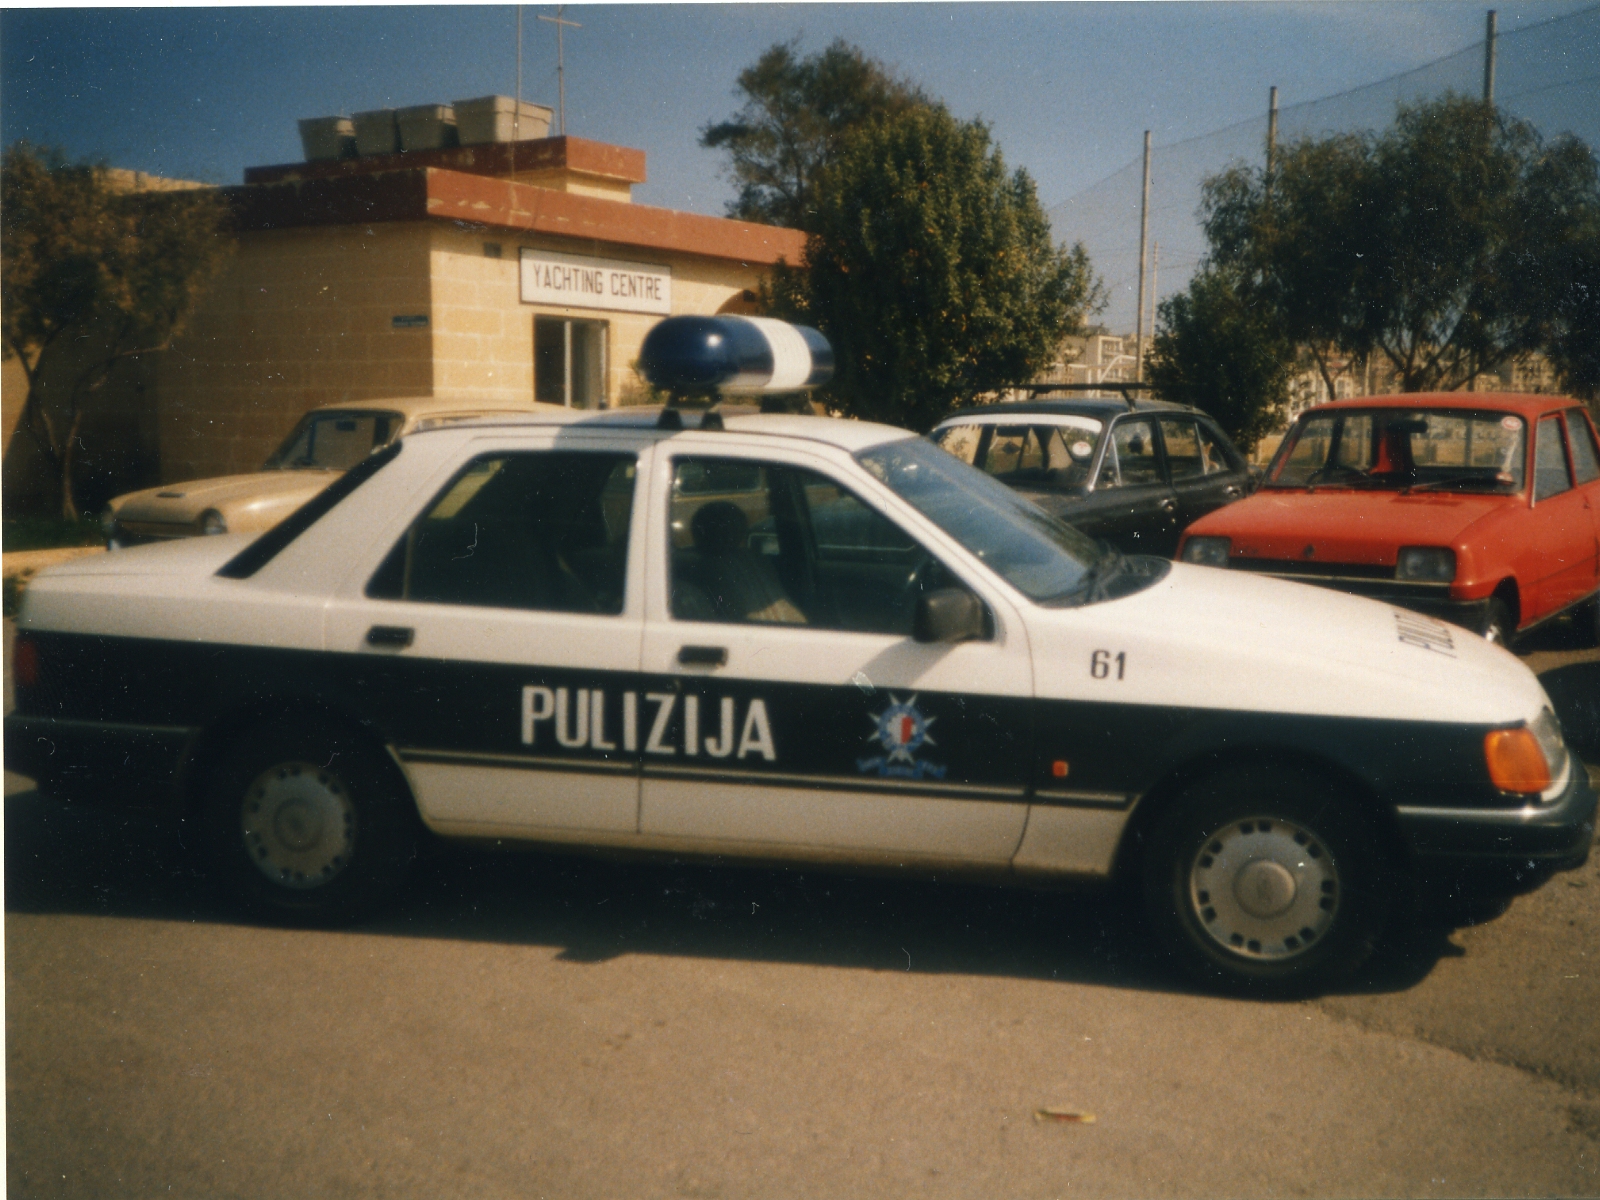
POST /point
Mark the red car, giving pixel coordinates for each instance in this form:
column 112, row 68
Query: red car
column 1482, row 509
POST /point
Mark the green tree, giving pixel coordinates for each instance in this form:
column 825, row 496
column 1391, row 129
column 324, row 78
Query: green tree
column 91, row 276
column 1575, row 349
column 1217, row 351
column 796, row 112
column 932, row 271
column 1440, row 245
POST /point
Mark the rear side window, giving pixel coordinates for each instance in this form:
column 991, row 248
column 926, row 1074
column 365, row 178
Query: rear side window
column 1550, row 474
column 546, row 531
column 267, row 547
column 1585, row 461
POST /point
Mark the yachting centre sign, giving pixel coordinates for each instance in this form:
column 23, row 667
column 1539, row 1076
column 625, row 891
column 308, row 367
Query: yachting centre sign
column 575, row 282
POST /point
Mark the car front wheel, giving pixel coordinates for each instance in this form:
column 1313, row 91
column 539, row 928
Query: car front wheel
column 1266, row 882
column 308, row 827
column 1499, row 626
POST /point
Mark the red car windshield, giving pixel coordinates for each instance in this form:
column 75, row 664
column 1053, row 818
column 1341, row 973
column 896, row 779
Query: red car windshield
column 1399, row 448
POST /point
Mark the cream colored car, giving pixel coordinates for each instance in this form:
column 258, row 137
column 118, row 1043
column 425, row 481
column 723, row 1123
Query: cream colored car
column 327, row 442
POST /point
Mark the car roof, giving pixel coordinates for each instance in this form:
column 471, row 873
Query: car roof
column 845, row 433
column 421, row 406
column 1101, row 408
column 1523, row 403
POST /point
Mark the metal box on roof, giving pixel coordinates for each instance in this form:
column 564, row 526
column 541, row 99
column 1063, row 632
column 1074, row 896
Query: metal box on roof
column 497, row 119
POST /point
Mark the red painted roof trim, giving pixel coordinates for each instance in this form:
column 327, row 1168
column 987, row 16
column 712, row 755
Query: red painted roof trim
column 418, row 194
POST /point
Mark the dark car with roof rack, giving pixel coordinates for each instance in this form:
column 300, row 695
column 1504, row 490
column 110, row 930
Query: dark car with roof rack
column 1133, row 472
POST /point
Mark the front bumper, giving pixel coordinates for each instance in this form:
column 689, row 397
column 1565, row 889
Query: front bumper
column 1551, row 837
column 98, row 760
column 1431, row 600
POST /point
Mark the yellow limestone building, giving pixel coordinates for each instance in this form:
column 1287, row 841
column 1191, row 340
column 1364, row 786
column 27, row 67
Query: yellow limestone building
column 502, row 271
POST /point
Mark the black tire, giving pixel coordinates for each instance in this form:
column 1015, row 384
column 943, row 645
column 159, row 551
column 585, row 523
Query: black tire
column 308, row 827
column 1307, row 885
column 1499, row 626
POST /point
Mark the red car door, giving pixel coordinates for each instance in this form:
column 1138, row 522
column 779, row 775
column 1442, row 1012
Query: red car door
column 1561, row 533
column 1586, row 475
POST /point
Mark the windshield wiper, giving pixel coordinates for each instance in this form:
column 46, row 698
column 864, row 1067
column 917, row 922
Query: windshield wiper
column 1493, row 481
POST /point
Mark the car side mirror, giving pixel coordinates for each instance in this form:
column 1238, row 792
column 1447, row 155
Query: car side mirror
column 948, row 615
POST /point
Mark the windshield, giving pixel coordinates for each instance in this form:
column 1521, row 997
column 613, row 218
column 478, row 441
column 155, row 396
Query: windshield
column 1055, row 455
column 1039, row 555
column 1398, row 448
column 334, row 441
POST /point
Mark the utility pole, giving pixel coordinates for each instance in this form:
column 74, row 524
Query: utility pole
column 1144, row 237
column 516, row 113
column 1272, row 133
column 1488, row 60
column 561, row 24
column 1155, row 283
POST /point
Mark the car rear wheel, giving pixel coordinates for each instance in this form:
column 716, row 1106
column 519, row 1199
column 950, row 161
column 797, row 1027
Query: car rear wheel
column 307, row 826
column 1267, row 882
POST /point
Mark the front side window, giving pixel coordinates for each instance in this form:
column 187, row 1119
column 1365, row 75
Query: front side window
column 536, row 530
column 1184, row 456
column 1041, row 556
column 799, row 550
column 1403, row 449
column 1585, row 461
column 334, row 441
column 1130, row 458
column 1214, row 457
column 1550, row 474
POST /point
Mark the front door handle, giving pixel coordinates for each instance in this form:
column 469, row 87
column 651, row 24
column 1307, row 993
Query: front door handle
column 395, row 636
column 703, row 656
column 1169, row 505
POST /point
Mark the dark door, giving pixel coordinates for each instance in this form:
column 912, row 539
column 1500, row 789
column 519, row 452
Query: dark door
column 1132, row 504
column 1205, row 473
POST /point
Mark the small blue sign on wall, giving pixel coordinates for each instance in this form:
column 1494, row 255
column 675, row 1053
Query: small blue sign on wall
column 420, row 321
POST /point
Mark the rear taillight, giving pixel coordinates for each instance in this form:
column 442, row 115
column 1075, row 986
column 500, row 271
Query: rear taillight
column 25, row 661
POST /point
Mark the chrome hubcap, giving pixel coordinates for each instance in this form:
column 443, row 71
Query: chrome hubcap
column 298, row 824
column 1264, row 888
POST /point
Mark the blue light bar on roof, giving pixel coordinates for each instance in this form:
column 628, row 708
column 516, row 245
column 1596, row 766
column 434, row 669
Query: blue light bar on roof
column 731, row 355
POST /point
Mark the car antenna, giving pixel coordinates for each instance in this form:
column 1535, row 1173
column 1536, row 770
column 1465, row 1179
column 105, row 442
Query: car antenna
column 698, row 361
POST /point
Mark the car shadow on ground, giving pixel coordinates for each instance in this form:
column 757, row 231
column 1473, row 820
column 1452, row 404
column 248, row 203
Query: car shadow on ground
column 97, row 862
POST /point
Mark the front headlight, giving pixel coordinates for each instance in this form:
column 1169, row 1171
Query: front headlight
column 1426, row 564
column 1207, row 551
column 211, row 522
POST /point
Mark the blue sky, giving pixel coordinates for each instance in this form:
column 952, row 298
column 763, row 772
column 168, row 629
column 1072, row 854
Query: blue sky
column 1068, row 89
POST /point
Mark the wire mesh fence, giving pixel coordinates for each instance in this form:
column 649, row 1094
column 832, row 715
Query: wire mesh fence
column 1546, row 74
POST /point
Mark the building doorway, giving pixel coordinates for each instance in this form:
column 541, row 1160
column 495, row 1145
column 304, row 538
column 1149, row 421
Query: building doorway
column 569, row 362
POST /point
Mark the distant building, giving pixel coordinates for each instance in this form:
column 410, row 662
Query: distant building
column 506, row 270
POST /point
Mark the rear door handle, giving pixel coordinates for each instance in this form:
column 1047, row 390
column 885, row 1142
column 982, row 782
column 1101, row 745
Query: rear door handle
column 397, row 636
column 703, row 656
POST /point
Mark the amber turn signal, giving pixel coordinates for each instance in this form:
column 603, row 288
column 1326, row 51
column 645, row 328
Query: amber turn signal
column 1516, row 764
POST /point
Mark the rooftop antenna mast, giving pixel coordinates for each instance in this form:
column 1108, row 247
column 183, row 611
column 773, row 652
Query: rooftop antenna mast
column 561, row 23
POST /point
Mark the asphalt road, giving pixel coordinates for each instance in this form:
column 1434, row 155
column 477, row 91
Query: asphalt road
column 527, row 1025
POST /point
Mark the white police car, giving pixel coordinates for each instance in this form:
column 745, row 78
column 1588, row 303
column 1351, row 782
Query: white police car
column 782, row 638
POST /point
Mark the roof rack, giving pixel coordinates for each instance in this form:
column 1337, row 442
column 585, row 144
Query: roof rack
column 1108, row 386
